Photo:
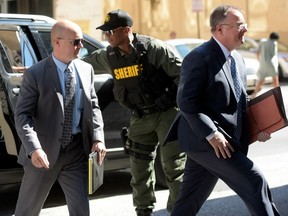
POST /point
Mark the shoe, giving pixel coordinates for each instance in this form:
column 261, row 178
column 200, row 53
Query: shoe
column 143, row 212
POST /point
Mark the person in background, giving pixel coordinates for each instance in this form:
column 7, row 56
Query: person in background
column 146, row 74
column 54, row 147
column 211, row 126
column 173, row 35
column 268, row 62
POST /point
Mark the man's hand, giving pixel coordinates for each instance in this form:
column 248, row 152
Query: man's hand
column 263, row 136
column 101, row 149
column 221, row 146
column 39, row 159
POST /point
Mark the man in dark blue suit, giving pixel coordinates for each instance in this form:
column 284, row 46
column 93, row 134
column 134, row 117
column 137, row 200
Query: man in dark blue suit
column 211, row 126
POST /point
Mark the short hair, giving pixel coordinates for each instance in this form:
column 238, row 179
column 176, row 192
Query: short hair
column 274, row 36
column 219, row 14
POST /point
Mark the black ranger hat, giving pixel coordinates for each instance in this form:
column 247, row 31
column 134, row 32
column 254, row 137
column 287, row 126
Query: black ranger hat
column 115, row 19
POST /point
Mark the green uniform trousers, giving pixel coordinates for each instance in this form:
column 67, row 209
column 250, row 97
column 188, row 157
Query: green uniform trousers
column 147, row 133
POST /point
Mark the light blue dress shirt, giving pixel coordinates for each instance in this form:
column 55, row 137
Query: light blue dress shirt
column 78, row 105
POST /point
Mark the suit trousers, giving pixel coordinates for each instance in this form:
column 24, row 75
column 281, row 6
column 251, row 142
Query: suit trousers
column 71, row 172
column 202, row 171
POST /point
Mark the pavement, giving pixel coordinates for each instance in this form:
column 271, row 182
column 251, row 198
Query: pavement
column 271, row 157
column 219, row 204
column 222, row 202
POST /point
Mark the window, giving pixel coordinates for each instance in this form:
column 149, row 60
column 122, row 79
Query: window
column 16, row 51
column 44, row 44
column 4, row 60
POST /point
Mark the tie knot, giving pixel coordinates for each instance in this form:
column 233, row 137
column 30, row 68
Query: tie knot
column 68, row 69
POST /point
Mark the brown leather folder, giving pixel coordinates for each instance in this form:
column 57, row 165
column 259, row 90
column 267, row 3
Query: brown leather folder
column 266, row 113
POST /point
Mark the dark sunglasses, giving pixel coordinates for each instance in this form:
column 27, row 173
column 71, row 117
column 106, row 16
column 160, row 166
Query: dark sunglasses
column 111, row 32
column 75, row 42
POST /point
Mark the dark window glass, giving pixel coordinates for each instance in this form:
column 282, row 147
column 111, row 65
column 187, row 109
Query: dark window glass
column 44, row 44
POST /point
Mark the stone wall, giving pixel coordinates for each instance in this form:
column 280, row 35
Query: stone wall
column 159, row 18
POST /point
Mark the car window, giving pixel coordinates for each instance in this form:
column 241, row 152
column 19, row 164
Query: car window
column 43, row 41
column 21, row 48
column 17, row 51
column 4, row 60
column 186, row 48
column 44, row 44
column 89, row 46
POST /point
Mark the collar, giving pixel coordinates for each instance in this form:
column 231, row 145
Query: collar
column 225, row 51
column 60, row 65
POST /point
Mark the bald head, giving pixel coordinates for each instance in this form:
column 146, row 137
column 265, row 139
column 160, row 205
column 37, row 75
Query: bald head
column 63, row 36
column 62, row 28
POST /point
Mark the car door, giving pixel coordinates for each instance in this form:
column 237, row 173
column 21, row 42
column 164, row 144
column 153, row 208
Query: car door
column 16, row 53
column 33, row 44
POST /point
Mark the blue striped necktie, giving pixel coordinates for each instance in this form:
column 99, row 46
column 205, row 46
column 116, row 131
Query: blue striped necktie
column 238, row 93
column 236, row 79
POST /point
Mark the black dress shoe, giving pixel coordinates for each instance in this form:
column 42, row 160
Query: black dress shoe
column 144, row 212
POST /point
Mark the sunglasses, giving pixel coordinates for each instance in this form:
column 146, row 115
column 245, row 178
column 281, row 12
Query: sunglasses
column 75, row 42
column 111, row 32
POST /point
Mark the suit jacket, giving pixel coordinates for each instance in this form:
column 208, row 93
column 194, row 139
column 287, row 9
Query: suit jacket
column 39, row 113
column 206, row 98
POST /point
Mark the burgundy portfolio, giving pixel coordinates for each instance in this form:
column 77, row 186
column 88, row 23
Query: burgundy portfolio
column 266, row 113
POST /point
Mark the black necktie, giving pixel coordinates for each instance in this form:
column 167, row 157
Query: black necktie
column 68, row 107
column 238, row 93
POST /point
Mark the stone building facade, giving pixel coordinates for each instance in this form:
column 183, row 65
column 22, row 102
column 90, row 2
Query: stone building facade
column 158, row 18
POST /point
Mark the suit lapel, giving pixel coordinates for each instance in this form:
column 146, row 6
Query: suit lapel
column 223, row 63
column 225, row 66
column 54, row 80
column 83, row 76
column 52, row 70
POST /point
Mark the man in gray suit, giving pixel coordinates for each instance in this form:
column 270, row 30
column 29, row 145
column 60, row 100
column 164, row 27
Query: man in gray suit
column 40, row 119
column 212, row 127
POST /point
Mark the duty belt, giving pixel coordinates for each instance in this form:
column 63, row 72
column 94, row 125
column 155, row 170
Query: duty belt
column 145, row 111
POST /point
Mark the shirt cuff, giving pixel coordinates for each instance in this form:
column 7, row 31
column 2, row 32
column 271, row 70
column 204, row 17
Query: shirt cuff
column 210, row 136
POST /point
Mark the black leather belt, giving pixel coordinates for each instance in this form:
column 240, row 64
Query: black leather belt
column 75, row 137
column 145, row 111
column 150, row 110
column 72, row 144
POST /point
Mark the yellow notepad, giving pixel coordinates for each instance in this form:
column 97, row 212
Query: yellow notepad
column 95, row 173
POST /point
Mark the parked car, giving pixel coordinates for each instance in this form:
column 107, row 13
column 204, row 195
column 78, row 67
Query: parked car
column 283, row 61
column 249, row 49
column 25, row 40
column 105, row 43
column 184, row 45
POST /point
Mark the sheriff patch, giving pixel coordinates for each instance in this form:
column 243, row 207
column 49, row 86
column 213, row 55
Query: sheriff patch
column 127, row 72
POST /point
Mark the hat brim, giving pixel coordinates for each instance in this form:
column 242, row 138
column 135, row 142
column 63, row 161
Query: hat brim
column 106, row 27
